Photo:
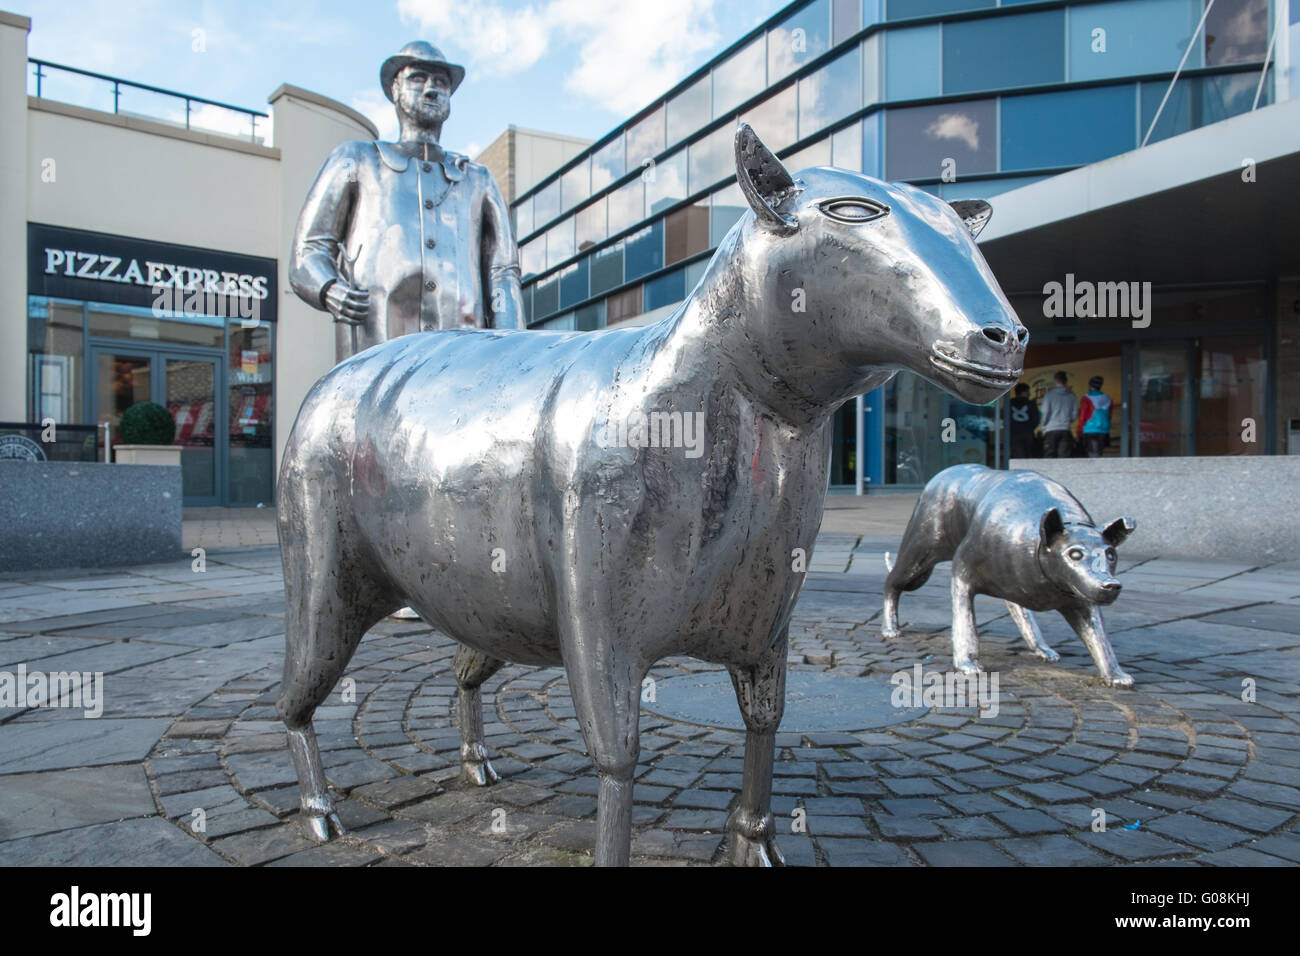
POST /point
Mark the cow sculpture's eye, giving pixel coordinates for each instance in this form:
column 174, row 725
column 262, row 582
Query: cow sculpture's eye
column 853, row 209
column 1075, row 554
column 1110, row 555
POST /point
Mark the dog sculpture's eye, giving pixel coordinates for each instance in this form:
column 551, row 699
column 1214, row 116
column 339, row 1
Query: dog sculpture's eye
column 853, row 210
column 1110, row 555
column 1075, row 554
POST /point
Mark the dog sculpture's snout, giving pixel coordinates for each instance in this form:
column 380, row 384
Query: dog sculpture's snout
column 1007, row 339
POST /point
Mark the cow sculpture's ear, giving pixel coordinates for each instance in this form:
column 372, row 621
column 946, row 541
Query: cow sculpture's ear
column 1119, row 529
column 764, row 181
column 976, row 213
column 1050, row 526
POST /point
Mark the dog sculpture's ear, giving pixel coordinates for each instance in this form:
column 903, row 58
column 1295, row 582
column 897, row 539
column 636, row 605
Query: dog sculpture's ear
column 976, row 213
column 1119, row 529
column 764, row 181
column 1050, row 526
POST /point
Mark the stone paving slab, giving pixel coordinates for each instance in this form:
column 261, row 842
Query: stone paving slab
column 1183, row 769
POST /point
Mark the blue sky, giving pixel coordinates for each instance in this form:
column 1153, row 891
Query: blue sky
column 568, row 66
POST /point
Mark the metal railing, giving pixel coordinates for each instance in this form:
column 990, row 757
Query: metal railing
column 209, row 116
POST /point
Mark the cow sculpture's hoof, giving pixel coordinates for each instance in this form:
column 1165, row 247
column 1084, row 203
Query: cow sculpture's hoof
column 751, row 844
column 1047, row 654
column 971, row 667
column 1120, row 679
column 319, row 826
column 475, row 768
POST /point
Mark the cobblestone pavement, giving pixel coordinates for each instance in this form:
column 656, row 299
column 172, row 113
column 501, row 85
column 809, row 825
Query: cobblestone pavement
column 188, row 765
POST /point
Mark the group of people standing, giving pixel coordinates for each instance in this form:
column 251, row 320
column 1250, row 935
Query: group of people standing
column 1058, row 415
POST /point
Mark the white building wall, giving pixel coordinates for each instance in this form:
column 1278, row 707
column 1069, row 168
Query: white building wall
column 13, row 229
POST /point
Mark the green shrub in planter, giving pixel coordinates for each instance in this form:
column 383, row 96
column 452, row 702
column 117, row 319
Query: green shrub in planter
column 147, row 423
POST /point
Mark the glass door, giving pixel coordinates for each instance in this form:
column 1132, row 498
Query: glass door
column 122, row 378
column 1162, row 401
column 189, row 392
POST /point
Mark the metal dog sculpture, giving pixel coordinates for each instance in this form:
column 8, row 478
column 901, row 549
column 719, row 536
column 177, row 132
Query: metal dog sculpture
column 471, row 474
column 1018, row 536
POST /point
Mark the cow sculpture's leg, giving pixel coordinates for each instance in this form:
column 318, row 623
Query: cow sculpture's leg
column 760, row 691
column 965, row 640
column 472, row 669
column 1029, row 631
column 1088, row 625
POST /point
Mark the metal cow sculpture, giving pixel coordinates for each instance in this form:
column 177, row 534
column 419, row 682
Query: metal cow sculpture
column 503, row 484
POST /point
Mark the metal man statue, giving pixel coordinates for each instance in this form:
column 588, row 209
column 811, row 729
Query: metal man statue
column 407, row 236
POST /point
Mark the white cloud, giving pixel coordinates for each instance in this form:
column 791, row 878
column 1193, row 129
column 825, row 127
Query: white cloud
column 957, row 126
column 375, row 106
column 625, row 54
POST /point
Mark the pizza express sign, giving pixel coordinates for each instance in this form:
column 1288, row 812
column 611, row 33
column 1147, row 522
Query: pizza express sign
column 75, row 264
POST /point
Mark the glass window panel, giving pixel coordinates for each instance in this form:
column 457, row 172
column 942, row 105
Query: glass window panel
column 1175, row 118
column 561, row 323
column 645, row 140
column 54, row 338
column 912, row 63
column 590, row 224
column 816, row 154
column 251, row 458
column 739, row 77
column 524, row 218
column 590, row 317
column 559, row 243
column 1236, row 31
column 626, row 206
column 871, row 12
column 846, row 148
column 575, row 185
column 689, row 110
column 573, row 284
column 665, row 290
column 711, row 159
column 645, row 250
column 665, row 183
column 607, row 269
column 546, row 205
column 902, row 9
column 1068, row 128
column 775, row 120
column 1230, row 95
column 1003, row 52
column 132, row 322
column 686, row 232
column 829, row 94
column 528, row 305
column 871, row 70
column 694, row 273
column 846, row 20
column 984, row 188
column 728, row 206
column 1146, row 36
column 918, row 140
column 546, row 297
column 532, row 257
column 623, row 305
column 871, row 144
column 607, row 164
column 799, row 39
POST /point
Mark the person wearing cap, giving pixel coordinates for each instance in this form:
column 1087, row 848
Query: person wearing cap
column 1094, row 418
column 406, row 237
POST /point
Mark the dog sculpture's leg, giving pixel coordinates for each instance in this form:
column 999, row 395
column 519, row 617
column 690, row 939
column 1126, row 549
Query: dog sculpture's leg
column 1029, row 631
column 965, row 642
column 1088, row 625
column 472, row 669
column 760, row 691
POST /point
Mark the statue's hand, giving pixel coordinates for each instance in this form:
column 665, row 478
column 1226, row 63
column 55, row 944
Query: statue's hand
column 347, row 303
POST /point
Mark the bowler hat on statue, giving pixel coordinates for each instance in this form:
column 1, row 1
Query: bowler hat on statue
column 424, row 54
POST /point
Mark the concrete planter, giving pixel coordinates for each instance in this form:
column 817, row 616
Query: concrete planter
column 147, row 454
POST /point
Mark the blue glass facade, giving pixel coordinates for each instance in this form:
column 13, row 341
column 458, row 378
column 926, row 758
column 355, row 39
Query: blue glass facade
column 965, row 98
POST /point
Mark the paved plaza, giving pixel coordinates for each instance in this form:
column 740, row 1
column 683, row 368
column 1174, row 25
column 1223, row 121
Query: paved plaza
column 1199, row 764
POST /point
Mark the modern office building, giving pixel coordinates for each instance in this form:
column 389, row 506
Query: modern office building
column 1022, row 102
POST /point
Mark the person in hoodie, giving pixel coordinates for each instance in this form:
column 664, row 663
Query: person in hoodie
column 1024, row 421
column 1058, row 406
column 1094, row 418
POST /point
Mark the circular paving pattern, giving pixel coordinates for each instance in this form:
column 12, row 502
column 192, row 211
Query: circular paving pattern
column 1161, row 766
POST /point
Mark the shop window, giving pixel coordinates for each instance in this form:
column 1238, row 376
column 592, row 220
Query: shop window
column 829, row 94
column 712, row 159
column 575, row 185
column 589, row 225
column 924, row 141
column 689, row 110
column 912, row 63
column 665, row 183
column 686, row 232
column 645, row 140
column 1069, row 128
column 666, row 289
column 54, row 348
column 998, row 53
column 1236, row 31
column 740, row 77
column 776, row 119
column 799, row 39
column 251, row 461
column 608, row 164
column 645, row 250
column 133, row 322
column 607, row 269
column 573, row 284
column 1132, row 37
column 623, row 305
